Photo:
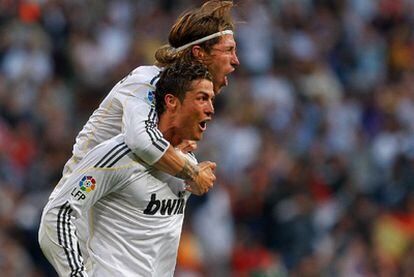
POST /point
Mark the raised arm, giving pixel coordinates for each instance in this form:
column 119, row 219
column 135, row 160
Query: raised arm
column 146, row 141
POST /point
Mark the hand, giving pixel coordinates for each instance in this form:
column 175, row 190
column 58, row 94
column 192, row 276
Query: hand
column 187, row 146
column 204, row 180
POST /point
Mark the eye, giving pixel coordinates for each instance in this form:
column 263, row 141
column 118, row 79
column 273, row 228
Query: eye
column 202, row 98
column 231, row 50
column 227, row 50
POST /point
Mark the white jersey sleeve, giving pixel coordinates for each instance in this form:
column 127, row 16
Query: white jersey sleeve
column 92, row 180
column 128, row 108
column 140, row 128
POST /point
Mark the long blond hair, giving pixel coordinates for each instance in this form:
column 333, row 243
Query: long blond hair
column 212, row 17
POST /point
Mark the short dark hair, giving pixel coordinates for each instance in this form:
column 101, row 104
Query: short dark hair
column 176, row 80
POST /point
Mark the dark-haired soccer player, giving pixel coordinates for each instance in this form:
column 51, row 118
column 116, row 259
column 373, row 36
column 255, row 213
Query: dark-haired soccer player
column 135, row 211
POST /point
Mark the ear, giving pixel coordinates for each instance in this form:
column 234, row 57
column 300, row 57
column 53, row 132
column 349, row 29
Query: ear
column 198, row 53
column 171, row 102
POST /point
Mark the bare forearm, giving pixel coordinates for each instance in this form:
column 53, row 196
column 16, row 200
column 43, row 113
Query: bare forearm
column 199, row 177
column 177, row 165
column 189, row 171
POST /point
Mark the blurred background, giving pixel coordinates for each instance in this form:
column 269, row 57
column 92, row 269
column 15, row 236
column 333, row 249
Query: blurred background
column 314, row 137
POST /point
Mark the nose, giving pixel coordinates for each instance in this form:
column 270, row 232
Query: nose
column 235, row 60
column 210, row 109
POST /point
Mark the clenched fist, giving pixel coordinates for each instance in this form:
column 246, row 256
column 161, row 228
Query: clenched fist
column 204, row 178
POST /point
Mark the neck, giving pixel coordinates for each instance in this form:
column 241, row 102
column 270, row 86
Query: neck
column 168, row 129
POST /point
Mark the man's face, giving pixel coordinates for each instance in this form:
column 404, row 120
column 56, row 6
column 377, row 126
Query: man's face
column 221, row 61
column 196, row 110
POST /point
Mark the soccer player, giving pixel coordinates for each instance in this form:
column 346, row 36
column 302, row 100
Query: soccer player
column 204, row 34
column 135, row 211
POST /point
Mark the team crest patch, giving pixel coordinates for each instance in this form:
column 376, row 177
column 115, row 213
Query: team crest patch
column 87, row 183
column 151, row 97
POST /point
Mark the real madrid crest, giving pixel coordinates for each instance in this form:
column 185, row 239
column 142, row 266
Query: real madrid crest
column 151, row 97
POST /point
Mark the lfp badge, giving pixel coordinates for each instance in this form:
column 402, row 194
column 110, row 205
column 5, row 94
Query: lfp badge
column 87, row 183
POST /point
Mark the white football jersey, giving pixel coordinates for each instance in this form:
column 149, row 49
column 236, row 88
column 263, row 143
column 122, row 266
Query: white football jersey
column 135, row 215
column 128, row 108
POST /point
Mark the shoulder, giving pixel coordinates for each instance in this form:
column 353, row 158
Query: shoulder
column 146, row 74
column 109, row 154
column 116, row 154
column 140, row 83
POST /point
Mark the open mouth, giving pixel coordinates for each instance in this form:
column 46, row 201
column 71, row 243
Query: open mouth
column 203, row 125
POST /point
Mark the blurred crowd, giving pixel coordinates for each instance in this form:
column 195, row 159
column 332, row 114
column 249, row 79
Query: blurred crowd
column 314, row 137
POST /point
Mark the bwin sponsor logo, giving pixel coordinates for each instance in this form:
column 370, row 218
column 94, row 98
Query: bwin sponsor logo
column 165, row 206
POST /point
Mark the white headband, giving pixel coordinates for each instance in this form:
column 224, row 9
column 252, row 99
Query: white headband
column 221, row 33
